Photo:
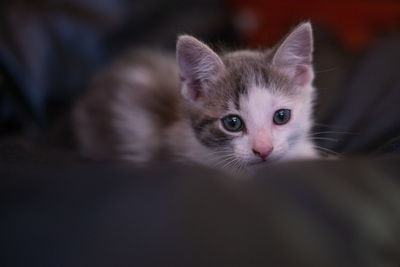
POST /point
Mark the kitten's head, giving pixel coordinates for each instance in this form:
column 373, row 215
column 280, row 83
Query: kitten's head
column 250, row 107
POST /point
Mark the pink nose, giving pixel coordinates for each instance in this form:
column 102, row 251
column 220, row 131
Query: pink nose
column 262, row 152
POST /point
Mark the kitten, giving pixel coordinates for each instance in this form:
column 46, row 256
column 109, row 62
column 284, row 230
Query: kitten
column 233, row 111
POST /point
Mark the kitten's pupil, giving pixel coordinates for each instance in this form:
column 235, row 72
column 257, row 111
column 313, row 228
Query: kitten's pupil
column 232, row 123
column 282, row 116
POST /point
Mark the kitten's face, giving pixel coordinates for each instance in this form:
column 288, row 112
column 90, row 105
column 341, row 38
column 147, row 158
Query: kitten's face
column 250, row 107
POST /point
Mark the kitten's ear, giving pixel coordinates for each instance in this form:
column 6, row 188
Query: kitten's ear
column 198, row 66
column 294, row 54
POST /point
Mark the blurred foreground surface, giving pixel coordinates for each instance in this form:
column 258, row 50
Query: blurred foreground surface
column 322, row 213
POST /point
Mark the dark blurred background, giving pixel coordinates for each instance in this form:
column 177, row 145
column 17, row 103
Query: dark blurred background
column 49, row 50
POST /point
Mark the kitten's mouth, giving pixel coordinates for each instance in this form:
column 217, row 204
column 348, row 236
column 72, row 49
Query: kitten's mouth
column 261, row 162
column 258, row 162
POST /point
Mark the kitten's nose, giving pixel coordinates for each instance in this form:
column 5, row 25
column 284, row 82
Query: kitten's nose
column 262, row 152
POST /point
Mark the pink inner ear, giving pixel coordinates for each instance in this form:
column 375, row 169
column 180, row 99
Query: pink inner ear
column 302, row 75
column 195, row 85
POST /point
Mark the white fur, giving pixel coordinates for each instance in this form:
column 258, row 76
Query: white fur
column 134, row 122
column 137, row 75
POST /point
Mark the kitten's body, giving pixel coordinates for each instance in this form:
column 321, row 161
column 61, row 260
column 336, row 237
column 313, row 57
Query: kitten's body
column 135, row 110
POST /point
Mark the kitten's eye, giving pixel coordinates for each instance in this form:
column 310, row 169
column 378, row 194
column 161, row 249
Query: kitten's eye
column 232, row 123
column 282, row 116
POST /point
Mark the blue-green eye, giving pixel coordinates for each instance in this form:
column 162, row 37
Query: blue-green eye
column 232, row 123
column 281, row 116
